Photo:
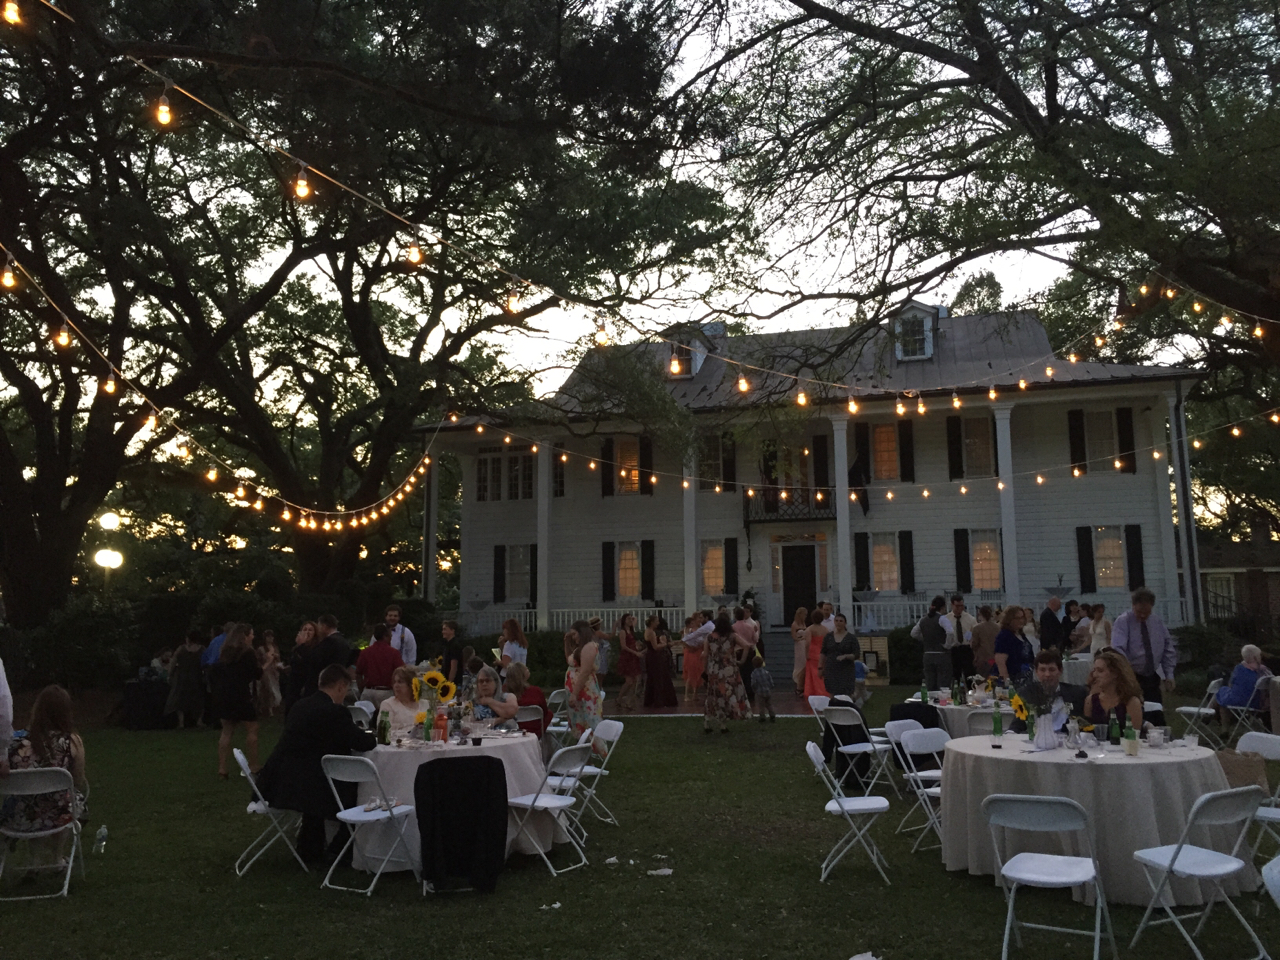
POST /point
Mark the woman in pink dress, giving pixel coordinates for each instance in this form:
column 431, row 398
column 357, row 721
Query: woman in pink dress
column 813, row 685
column 800, row 636
column 695, row 661
column 629, row 663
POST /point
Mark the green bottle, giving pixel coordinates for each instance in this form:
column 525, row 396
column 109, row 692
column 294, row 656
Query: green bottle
column 1113, row 731
column 924, row 692
column 1031, row 726
column 997, row 722
column 384, row 727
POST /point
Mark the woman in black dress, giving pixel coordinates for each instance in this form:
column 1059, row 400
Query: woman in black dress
column 186, row 681
column 231, row 682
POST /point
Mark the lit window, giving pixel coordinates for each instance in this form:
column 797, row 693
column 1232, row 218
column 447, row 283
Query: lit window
column 978, row 460
column 712, row 567
column 884, row 450
column 985, row 545
column 629, row 570
column 518, row 572
column 1108, row 556
column 1100, row 440
column 884, row 560
column 628, row 454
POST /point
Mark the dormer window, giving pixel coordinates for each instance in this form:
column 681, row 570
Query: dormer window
column 683, row 361
column 913, row 336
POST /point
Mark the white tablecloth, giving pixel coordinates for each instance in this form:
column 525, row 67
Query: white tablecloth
column 1077, row 671
column 1133, row 803
column 521, row 758
column 956, row 719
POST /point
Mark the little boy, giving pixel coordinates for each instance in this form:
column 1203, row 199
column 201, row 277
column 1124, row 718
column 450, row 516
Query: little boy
column 762, row 687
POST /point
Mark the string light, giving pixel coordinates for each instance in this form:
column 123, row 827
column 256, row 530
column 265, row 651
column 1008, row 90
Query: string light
column 717, row 488
column 964, row 489
column 1099, row 341
column 602, row 335
column 920, row 408
column 240, row 493
column 853, row 496
column 783, row 494
column 888, row 495
column 1144, row 289
column 11, row 13
column 110, row 385
column 1226, row 322
column 414, row 253
column 591, row 465
column 901, row 408
column 1197, row 306
column 818, row 496
column 675, row 364
column 479, row 428
column 1155, row 454
column 1274, row 418
column 991, row 394
column 301, row 188
column 1022, row 384
column 1257, row 331
column 999, row 484
column 955, row 400
column 1118, row 464
column 1171, row 293
column 1048, row 372
column 1039, row 479
column 513, row 302
column 853, row 405
column 507, row 438
column 564, row 458
column 285, row 515
column 750, row 492
column 1072, row 357
column 1196, row 444
column 926, row 494
column 258, row 504
column 326, row 525
column 653, row 479
column 743, row 386
column 1235, row 431
column 453, row 418
column 801, row 399
column 64, row 336
column 7, row 278
column 163, row 114
column 685, row 484
column 212, row 474
column 1075, row 471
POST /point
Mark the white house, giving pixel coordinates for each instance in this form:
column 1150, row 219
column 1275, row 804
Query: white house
column 976, row 461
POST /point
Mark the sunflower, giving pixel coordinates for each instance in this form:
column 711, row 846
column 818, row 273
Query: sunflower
column 417, row 689
column 433, row 679
column 1019, row 707
column 446, row 691
column 420, row 717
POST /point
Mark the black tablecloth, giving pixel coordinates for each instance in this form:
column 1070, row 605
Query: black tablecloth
column 143, row 707
column 461, row 806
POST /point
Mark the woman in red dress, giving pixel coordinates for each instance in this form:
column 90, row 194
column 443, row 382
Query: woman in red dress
column 813, row 685
column 629, row 663
column 527, row 695
column 659, row 691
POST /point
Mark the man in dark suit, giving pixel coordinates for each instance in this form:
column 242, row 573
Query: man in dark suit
column 293, row 779
column 332, row 647
column 1052, row 633
column 1049, row 676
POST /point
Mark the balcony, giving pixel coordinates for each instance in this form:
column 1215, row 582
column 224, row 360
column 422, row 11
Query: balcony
column 788, row 504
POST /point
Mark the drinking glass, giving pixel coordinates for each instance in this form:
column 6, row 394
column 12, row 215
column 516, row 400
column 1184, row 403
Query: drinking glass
column 1191, row 739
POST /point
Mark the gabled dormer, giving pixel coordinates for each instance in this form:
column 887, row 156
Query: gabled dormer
column 689, row 347
column 914, row 328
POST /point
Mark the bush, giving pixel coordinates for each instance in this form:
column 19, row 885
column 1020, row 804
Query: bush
column 90, row 642
column 546, row 655
column 906, row 657
column 1201, row 646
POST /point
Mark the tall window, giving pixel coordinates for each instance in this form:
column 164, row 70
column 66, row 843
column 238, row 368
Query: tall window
column 712, row 567
column 1108, row 556
column 795, row 468
column 912, row 341
column 628, row 570
column 978, row 455
column 627, row 452
column 1100, row 439
column 513, row 478
column 518, row 587
column 557, row 471
column 488, row 477
column 482, row 479
column 884, row 451
column 884, row 560
column 985, row 546
column 520, row 477
column 715, row 453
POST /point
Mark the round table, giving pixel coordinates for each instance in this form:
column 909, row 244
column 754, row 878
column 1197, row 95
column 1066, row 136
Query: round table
column 955, row 718
column 521, row 758
column 1133, row 803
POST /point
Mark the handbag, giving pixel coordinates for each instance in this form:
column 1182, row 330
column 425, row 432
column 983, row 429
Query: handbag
column 1244, row 769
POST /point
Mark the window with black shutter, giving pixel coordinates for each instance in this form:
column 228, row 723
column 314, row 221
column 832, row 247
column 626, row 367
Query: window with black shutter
column 862, row 561
column 1133, row 556
column 608, row 590
column 499, row 574
column 731, row 565
column 955, row 448
column 646, row 466
column 1076, row 442
column 1127, row 454
column 1084, row 554
column 906, row 562
column 606, row 467
column 906, row 452
column 647, row 591
column 964, row 564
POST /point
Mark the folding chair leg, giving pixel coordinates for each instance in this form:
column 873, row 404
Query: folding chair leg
column 1262, row 951
column 1009, row 925
column 582, row 854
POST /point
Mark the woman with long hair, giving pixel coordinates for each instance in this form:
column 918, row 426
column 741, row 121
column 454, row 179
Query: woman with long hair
column 815, row 633
column 1113, row 692
column 629, row 663
column 800, row 638
column 515, row 646
column 231, row 682
column 586, row 706
column 659, row 691
column 50, row 741
column 726, row 696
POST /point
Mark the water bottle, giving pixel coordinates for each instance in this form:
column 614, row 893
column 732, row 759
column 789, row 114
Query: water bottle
column 100, row 840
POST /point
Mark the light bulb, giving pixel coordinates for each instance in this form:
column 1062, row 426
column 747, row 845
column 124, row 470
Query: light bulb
column 64, row 336
column 212, row 474
column 301, row 189
column 1039, row 479
column 750, row 492
column 1144, row 289
column 1116, row 324
column 602, row 336
column 591, row 465
column 902, row 408
column 999, row 484
column 675, row 364
column 889, row 495
column 7, row 278
column 327, row 525
column 1197, row 306
column 533, row 448
column 1275, row 418
column 920, row 408
column 1155, row 454
column 151, row 421
column 1118, row 463
column 653, row 479
column 1099, row 341
column 513, row 302
column 717, row 488
column 337, row 524
column 1171, row 293
column 1075, row 471
column 240, row 492
column 955, row 400
column 1196, row 444
column 1072, row 357
column 302, row 523
column 414, row 253
column 258, row 504
column 163, row 115
column 685, row 484
column 853, row 405
column 783, row 494
column 183, row 450
column 818, row 495
column 925, row 493
column 991, row 394
column 479, row 428
column 743, row 386
column 564, row 458
column 1226, row 322
column 453, row 418
column 1235, row 431
column 110, row 385
column 853, row 496
column 801, row 398
column 385, row 509
column 1048, row 372
column 311, row 524
column 1257, row 331
column 506, row 439
column 964, row 489
column 286, row 515
column 1022, row 384
column 11, row 12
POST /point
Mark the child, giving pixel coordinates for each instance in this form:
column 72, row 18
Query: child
column 860, row 692
column 762, row 687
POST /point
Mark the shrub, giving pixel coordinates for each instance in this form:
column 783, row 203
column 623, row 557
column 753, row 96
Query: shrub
column 1201, row 646
column 906, row 657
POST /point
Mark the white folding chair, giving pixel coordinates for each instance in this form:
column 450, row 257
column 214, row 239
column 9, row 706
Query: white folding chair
column 362, row 770
column 36, row 782
column 1052, row 871
column 1250, row 717
column 818, row 704
column 932, row 743
column 1184, row 859
column 558, row 704
column 361, row 717
column 894, row 730
column 844, row 721
column 608, row 732
column 858, row 812
column 1271, row 877
column 1199, row 717
column 1268, row 815
column 280, row 824
column 566, row 762
column 530, row 714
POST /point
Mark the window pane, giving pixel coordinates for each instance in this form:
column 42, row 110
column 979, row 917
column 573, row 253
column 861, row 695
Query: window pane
column 629, row 570
column 884, row 560
column 708, row 461
column 977, row 447
column 884, row 451
column 513, row 478
column 518, row 571
column 526, row 477
column 482, row 478
column 712, row 567
column 628, row 466
column 985, row 546
column 495, row 478
column 1108, row 556
column 1100, row 439
column 795, row 468
column 911, row 336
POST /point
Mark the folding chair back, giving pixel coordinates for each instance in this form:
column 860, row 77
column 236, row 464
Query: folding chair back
column 349, row 769
column 817, row 704
column 1225, row 807
column 1267, row 744
column 529, row 714
column 1039, row 814
column 920, row 742
column 608, row 730
column 978, row 723
column 33, row 783
column 37, row 781
column 815, row 756
column 558, row 702
column 839, row 716
column 1271, row 877
column 569, row 761
column 894, row 729
column 360, row 716
column 243, row 763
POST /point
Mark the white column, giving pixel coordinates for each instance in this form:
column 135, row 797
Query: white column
column 545, row 451
column 1164, row 500
column 844, row 546
column 1186, row 515
column 690, row 504
column 430, row 531
column 1008, row 522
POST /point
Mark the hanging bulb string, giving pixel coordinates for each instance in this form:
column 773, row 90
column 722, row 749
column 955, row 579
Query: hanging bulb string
column 1229, row 313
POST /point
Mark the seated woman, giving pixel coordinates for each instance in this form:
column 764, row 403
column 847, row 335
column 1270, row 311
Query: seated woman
column 400, row 707
column 527, row 696
column 490, row 702
column 51, row 741
column 1244, row 680
column 1113, row 692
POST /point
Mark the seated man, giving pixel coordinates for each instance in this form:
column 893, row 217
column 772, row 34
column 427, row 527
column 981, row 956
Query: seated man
column 293, row 779
column 1049, row 676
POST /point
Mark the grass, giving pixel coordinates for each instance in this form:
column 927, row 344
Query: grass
column 738, row 818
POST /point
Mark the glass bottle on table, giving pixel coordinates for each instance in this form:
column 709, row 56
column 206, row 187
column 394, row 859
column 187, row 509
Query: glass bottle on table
column 997, row 726
column 924, row 692
column 1113, row 731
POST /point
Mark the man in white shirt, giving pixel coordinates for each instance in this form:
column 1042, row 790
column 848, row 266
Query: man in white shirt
column 401, row 636
column 828, row 616
column 6, row 721
column 959, row 625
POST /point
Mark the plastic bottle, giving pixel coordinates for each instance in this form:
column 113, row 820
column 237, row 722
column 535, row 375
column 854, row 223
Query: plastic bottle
column 100, row 840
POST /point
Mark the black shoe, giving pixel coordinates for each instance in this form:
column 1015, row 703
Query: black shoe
column 773, row 717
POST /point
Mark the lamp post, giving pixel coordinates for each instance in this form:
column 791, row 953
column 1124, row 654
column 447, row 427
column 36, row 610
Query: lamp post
column 108, row 560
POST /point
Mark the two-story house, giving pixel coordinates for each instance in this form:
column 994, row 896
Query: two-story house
column 944, row 454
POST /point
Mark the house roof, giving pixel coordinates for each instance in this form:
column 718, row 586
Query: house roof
column 970, row 354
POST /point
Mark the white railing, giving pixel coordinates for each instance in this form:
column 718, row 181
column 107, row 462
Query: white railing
column 490, row 620
column 881, row 616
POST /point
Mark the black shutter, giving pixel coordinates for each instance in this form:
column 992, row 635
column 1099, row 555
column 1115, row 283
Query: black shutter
column 906, row 562
column 906, row 451
column 728, row 462
column 1084, row 552
column 995, row 449
column 608, row 591
column 1124, row 435
column 769, row 474
column 964, row 564
column 1075, row 439
column 1133, row 555
column 499, row 574
column 731, row 565
column 606, row 468
column 646, row 466
column 862, row 560
column 955, row 447
column 821, row 463
column 646, row 570
column 533, row 574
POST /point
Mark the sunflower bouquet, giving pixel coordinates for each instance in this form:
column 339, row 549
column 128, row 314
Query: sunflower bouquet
column 432, row 689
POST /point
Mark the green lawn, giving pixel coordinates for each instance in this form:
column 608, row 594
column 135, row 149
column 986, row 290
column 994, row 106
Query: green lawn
column 738, row 818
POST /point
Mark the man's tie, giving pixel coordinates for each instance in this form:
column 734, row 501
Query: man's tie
column 1146, row 647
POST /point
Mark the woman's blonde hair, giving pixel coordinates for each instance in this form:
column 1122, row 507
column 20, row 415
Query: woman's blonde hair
column 517, row 678
column 403, row 673
column 1127, row 687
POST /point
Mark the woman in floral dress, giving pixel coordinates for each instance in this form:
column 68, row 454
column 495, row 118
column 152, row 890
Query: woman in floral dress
column 51, row 741
column 726, row 696
column 586, row 706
